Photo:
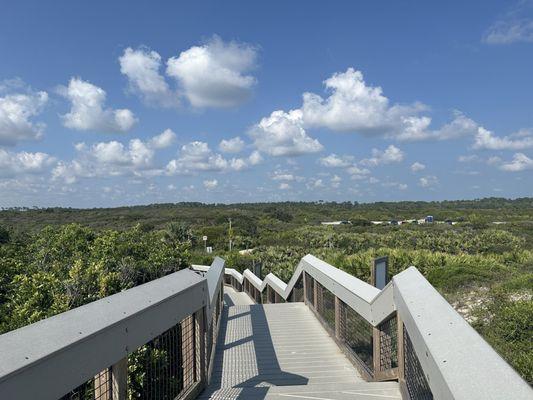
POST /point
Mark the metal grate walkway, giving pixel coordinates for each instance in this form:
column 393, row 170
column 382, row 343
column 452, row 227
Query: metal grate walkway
column 276, row 351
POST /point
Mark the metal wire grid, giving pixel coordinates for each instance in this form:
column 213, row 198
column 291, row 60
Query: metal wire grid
column 388, row 344
column 264, row 296
column 236, row 284
column 198, row 345
column 357, row 333
column 319, row 298
column 208, row 344
column 415, row 380
column 298, row 291
column 165, row 367
column 214, row 330
column 326, row 306
column 257, row 295
column 97, row 388
column 227, row 279
column 218, row 307
column 309, row 288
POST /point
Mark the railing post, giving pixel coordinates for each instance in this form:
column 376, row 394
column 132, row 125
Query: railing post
column 119, row 379
column 304, row 280
column 376, row 351
column 315, row 294
column 401, row 350
column 337, row 317
column 200, row 335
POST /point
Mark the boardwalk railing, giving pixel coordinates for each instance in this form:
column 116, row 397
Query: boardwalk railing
column 407, row 331
column 154, row 341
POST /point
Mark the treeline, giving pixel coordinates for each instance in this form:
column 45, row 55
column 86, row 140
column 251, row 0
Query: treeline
column 263, row 214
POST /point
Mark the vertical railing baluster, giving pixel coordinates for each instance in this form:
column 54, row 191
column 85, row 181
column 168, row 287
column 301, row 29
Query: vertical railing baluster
column 119, row 379
column 376, row 350
column 338, row 316
column 401, row 350
column 315, row 294
column 305, row 286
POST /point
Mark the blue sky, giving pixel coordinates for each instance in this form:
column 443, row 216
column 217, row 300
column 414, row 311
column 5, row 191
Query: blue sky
column 116, row 103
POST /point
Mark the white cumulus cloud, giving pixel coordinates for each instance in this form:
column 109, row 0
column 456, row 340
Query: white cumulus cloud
column 113, row 158
column 428, row 181
column 335, row 161
column 16, row 113
column 351, row 106
column 215, row 74
column 234, row 145
column 485, row 139
column 141, row 67
column 165, row 139
column 15, row 164
column 282, row 134
column 198, row 157
column 391, row 154
column 520, row 162
column 210, row 184
column 88, row 111
column 416, row 167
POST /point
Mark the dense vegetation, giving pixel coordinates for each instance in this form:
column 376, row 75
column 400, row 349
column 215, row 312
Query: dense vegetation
column 52, row 260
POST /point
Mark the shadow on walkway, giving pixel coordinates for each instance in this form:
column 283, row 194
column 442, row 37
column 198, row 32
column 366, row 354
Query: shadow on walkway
column 263, row 367
column 228, row 300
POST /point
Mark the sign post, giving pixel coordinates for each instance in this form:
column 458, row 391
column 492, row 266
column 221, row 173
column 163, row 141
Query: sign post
column 379, row 274
column 205, row 243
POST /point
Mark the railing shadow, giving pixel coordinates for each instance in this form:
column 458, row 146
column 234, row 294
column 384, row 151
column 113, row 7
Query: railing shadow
column 227, row 300
column 269, row 372
column 259, row 371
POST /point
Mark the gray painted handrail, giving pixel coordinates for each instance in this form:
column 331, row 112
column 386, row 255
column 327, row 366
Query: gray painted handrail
column 456, row 360
column 214, row 277
column 49, row 358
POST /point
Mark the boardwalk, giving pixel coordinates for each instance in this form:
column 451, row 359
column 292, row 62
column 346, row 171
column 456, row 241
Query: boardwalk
column 281, row 351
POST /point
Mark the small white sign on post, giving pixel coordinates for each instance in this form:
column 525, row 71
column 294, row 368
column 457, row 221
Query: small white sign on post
column 205, row 238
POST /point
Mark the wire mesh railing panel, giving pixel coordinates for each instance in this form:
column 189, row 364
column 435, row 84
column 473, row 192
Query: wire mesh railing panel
column 271, row 295
column 357, row 334
column 208, row 345
column 227, row 279
column 415, row 380
column 309, row 288
column 97, row 388
column 388, row 344
column 264, row 296
column 165, row 367
column 319, row 305
column 297, row 294
column 236, row 284
column 257, row 295
column 326, row 306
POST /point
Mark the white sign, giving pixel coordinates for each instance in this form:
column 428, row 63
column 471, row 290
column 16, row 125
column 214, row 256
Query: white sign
column 209, row 249
column 205, row 238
